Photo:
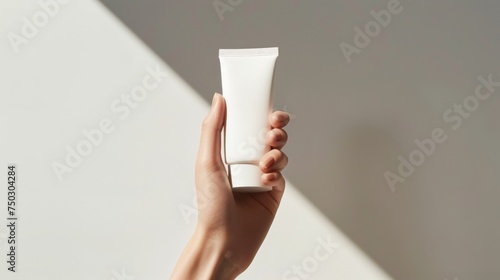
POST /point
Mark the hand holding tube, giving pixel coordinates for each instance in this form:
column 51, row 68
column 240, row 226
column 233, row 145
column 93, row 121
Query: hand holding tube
column 231, row 226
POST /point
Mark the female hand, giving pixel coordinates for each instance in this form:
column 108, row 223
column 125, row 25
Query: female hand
column 231, row 226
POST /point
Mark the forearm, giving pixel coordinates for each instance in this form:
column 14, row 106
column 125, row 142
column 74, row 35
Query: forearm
column 204, row 258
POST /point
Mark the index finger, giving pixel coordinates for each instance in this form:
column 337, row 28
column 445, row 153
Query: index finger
column 279, row 119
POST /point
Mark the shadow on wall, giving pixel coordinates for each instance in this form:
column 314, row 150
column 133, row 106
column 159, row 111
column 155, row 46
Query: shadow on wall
column 353, row 120
column 359, row 199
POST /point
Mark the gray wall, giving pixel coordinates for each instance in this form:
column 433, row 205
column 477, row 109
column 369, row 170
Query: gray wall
column 351, row 121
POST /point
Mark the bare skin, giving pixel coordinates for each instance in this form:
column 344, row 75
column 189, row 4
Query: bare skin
column 231, row 226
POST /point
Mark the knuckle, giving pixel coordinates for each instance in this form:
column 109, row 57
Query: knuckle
column 206, row 164
column 205, row 124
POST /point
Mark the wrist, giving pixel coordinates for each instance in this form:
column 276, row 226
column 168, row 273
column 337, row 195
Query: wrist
column 214, row 249
column 205, row 257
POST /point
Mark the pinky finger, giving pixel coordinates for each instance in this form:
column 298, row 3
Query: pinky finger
column 275, row 180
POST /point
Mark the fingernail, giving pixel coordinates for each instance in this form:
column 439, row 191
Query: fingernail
column 278, row 136
column 271, row 176
column 269, row 162
column 281, row 118
column 214, row 99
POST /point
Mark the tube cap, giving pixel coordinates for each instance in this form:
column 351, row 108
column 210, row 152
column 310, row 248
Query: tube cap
column 246, row 178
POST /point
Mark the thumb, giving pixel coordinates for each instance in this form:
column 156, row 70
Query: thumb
column 209, row 152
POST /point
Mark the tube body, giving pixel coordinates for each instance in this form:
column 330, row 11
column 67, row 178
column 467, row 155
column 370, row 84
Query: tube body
column 247, row 84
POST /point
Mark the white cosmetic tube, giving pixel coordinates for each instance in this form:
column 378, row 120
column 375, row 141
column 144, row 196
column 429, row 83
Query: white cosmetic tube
column 247, row 84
